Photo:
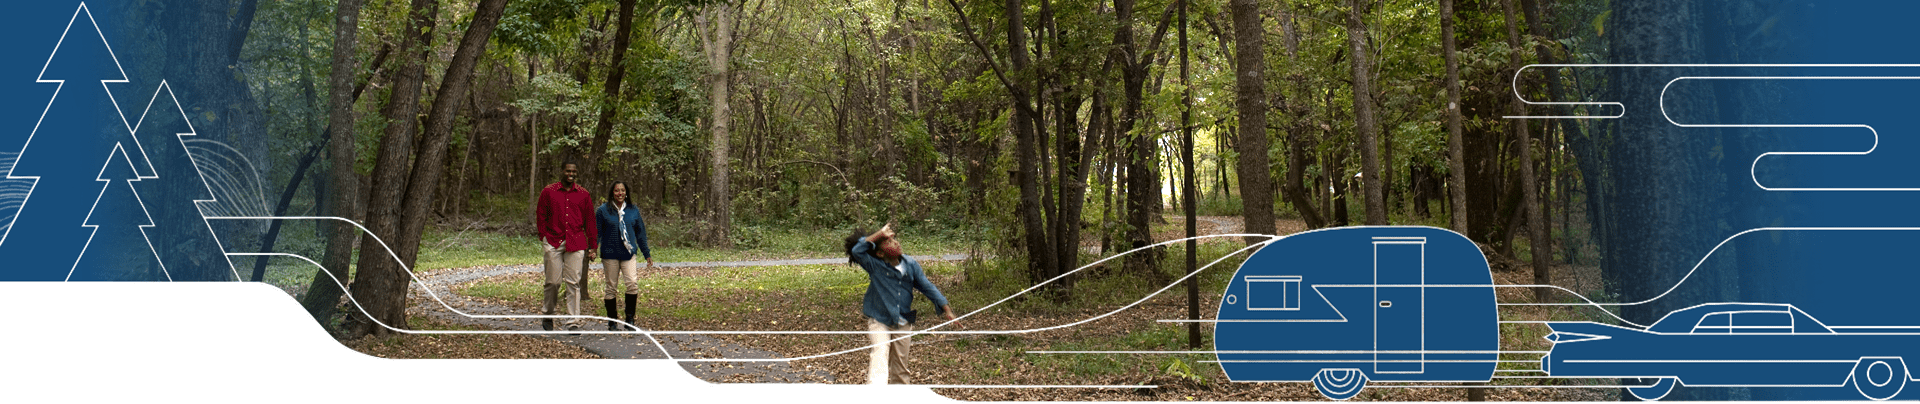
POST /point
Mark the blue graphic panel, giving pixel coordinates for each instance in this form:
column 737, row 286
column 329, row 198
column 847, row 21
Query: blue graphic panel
column 1374, row 303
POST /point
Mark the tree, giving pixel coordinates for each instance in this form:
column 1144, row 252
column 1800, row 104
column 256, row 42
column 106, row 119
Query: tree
column 1529, row 187
column 324, row 294
column 118, row 222
column 715, row 24
column 1365, row 123
column 611, row 99
column 1256, row 189
column 1456, row 158
column 46, row 237
column 380, row 283
column 189, row 249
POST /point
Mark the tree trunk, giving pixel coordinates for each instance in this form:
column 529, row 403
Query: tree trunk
column 1256, row 186
column 718, row 46
column 380, row 284
column 1456, row 157
column 1529, row 187
column 1039, row 258
column 610, row 101
column 323, row 294
column 1365, row 124
column 431, row 164
column 1187, row 183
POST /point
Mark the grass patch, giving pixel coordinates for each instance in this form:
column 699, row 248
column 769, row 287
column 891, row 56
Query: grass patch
column 444, row 247
column 449, row 247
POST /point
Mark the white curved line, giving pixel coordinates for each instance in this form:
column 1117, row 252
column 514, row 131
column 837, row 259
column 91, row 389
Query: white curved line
column 1696, row 267
column 1523, row 99
column 929, row 330
column 1754, row 167
column 356, row 305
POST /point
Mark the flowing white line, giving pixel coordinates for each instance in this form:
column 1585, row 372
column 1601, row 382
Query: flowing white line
column 1288, row 352
column 356, row 304
column 1689, row 275
column 929, row 330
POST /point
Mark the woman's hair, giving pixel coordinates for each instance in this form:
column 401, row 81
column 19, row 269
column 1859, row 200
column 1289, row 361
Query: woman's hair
column 627, row 200
column 853, row 239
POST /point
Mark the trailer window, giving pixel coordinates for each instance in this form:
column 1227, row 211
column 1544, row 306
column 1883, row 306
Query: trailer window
column 1273, row 292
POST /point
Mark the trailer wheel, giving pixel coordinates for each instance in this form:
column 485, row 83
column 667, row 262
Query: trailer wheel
column 1879, row 378
column 1339, row 384
column 1654, row 392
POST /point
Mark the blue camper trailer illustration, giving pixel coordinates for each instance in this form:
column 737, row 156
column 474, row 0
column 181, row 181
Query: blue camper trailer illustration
column 1340, row 307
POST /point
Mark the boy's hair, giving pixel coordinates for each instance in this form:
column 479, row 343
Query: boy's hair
column 853, row 239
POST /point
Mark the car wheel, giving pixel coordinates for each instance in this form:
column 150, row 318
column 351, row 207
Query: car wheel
column 1339, row 384
column 1654, row 392
column 1879, row 378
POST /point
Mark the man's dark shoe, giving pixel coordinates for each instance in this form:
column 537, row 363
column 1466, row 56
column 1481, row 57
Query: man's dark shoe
column 546, row 324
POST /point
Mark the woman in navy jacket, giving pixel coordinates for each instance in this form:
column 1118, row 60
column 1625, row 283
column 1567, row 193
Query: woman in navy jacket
column 622, row 233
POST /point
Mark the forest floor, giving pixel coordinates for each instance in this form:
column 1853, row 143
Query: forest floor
column 810, row 296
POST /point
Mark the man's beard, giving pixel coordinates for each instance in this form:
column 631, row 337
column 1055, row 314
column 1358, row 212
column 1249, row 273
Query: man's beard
column 890, row 250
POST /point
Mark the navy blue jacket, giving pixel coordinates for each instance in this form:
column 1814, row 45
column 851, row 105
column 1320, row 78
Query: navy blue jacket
column 613, row 223
column 889, row 297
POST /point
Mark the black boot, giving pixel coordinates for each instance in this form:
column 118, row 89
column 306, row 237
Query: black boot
column 612, row 312
column 546, row 324
column 631, row 299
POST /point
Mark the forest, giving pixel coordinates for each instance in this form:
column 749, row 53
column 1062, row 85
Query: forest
column 1038, row 135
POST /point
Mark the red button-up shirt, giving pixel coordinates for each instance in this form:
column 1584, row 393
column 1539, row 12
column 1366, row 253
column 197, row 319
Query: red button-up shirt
column 566, row 216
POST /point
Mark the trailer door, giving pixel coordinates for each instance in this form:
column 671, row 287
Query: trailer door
column 1399, row 272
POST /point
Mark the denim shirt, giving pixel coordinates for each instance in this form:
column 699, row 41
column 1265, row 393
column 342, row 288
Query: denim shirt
column 889, row 297
column 612, row 245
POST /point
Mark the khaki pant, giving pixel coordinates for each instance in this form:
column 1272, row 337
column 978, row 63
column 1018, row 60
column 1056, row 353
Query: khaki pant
column 628, row 271
column 888, row 361
column 562, row 268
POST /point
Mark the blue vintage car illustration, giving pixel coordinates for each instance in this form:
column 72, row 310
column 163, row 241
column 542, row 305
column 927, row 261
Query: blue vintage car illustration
column 1343, row 306
column 1737, row 345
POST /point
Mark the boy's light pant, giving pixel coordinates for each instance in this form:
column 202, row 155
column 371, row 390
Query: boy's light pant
column 888, row 361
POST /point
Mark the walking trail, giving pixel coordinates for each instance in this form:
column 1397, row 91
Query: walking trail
column 639, row 346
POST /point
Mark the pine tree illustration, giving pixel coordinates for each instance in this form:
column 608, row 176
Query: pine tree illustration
column 80, row 122
column 119, row 248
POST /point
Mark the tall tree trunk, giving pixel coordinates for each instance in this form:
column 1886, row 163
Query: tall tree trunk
column 717, row 42
column 1039, row 256
column 431, row 164
column 1142, row 181
column 1456, row 157
column 610, row 100
column 323, row 295
column 380, row 284
column 1187, row 183
column 1256, row 186
column 1569, row 128
column 1529, row 187
column 1365, row 124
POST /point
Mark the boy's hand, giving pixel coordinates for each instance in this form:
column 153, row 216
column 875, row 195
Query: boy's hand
column 947, row 312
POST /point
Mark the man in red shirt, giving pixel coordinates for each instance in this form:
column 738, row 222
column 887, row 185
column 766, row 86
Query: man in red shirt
column 564, row 216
